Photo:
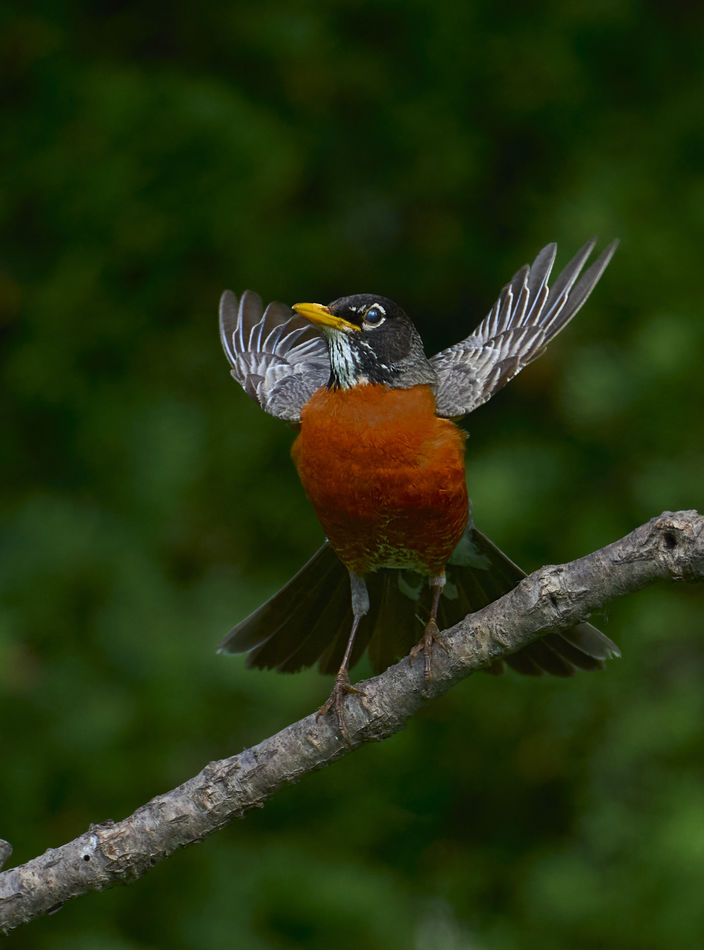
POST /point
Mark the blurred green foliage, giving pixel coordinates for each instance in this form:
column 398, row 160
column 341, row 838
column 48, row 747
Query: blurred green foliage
column 307, row 151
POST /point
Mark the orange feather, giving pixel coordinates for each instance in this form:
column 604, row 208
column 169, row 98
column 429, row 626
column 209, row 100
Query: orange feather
column 385, row 475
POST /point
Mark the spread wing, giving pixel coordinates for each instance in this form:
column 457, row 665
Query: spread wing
column 527, row 315
column 277, row 357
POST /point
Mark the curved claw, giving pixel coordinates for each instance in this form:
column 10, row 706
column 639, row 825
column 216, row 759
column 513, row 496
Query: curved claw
column 335, row 701
column 431, row 635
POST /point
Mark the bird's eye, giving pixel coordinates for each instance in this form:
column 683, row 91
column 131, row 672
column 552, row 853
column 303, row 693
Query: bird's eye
column 374, row 316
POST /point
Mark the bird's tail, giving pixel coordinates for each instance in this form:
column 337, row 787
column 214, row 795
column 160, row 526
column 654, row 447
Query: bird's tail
column 310, row 618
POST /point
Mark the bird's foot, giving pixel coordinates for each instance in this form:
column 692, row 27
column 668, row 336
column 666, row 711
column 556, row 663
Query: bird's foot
column 431, row 635
column 335, row 702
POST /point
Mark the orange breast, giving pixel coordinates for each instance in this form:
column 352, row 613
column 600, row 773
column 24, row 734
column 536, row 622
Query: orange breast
column 385, row 476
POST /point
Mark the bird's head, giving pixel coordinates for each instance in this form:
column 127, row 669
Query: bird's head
column 371, row 340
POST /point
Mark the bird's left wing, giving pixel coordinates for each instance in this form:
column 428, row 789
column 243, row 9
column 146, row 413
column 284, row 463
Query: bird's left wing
column 277, row 357
column 527, row 315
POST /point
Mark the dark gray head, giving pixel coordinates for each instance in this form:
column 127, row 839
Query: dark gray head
column 371, row 340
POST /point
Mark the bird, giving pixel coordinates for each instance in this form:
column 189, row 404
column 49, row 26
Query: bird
column 382, row 460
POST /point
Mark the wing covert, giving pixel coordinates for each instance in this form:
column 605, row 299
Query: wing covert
column 277, row 357
column 527, row 315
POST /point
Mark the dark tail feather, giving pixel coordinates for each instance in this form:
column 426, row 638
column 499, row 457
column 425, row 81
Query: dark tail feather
column 310, row 618
column 478, row 569
column 396, row 622
column 298, row 623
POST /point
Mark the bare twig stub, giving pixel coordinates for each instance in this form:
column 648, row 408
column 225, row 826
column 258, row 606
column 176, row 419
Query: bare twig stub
column 670, row 546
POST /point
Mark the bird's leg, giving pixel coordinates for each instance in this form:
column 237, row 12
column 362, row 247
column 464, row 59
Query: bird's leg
column 431, row 634
column 360, row 606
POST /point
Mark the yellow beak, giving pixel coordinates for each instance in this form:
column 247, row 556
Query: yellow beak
column 321, row 316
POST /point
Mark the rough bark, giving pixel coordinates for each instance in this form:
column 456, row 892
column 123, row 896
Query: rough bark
column 670, row 546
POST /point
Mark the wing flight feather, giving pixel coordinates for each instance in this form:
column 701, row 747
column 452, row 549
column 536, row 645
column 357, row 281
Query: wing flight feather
column 527, row 315
column 277, row 357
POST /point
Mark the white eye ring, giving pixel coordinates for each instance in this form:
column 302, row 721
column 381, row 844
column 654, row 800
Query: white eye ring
column 374, row 316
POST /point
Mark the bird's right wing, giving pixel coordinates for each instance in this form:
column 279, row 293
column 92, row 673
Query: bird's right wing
column 277, row 357
column 527, row 315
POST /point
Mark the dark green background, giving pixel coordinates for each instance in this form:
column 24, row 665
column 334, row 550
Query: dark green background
column 423, row 152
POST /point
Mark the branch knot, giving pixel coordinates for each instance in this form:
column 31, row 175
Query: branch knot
column 680, row 539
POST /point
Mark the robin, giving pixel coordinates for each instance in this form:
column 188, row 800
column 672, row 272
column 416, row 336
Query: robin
column 382, row 461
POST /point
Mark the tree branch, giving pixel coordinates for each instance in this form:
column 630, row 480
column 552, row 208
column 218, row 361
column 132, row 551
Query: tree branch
column 670, row 546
